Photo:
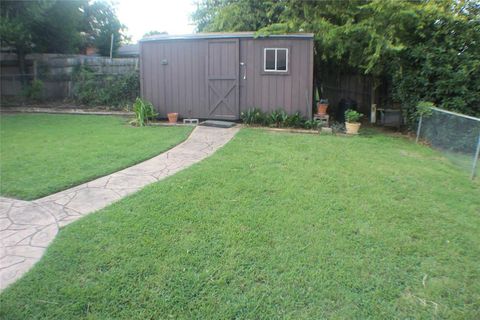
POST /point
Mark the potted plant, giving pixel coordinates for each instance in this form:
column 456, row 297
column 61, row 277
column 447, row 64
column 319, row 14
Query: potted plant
column 322, row 107
column 351, row 121
column 322, row 104
column 172, row 117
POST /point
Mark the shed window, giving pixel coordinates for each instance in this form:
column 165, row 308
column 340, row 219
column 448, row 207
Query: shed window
column 275, row 60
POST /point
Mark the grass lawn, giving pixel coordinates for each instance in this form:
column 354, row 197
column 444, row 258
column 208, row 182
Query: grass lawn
column 274, row 225
column 463, row 161
column 44, row 153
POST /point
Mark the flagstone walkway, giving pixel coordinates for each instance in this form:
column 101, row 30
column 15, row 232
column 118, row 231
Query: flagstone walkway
column 28, row 227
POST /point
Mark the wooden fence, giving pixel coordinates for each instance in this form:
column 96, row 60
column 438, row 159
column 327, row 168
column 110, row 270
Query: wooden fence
column 352, row 87
column 56, row 71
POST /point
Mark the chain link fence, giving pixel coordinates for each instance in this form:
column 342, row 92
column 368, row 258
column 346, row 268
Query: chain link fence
column 456, row 135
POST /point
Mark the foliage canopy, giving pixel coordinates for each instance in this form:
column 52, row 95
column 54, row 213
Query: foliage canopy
column 54, row 26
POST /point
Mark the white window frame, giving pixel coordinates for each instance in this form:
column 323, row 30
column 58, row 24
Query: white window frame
column 276, row 51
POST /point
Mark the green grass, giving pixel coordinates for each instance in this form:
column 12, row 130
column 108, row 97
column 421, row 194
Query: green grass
column 41, row 154
column 463, row 161
column 274, row 225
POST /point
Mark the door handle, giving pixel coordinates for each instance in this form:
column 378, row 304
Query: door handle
column 242, row 64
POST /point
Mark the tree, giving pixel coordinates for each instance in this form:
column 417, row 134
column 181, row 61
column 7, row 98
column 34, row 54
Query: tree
column 232, row 15
column 57, row 30
column 40, row 26
column 154, row 33
column 441, row 62
column 101, row 23
column 54, row 26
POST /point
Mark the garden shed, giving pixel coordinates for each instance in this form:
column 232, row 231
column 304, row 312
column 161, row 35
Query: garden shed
column 219, row 75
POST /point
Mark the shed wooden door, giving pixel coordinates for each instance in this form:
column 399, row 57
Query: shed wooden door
column 222, row 79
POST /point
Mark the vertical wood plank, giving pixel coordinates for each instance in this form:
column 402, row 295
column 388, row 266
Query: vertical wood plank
column 155, row 83
column 182, row 84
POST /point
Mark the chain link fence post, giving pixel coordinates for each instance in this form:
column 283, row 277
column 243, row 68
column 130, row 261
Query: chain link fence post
column 419, row 128
column 475, row 159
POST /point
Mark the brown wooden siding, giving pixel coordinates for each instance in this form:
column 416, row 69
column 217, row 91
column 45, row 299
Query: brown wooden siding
column 181, row 84
column 292, row 91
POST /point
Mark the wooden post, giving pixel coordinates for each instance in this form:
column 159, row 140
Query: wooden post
column 373, row 105
column 34, row 69
column 373, row 113
column 111, row 46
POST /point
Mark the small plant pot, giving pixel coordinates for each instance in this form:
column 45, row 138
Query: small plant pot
column 352, row 127
column 322, row 108
column 172, row 117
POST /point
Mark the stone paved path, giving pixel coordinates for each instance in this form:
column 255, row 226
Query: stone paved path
column 27, row 228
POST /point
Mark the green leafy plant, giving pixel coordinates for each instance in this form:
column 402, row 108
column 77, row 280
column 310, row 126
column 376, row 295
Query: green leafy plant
column 337, row 127
column 34, row 91
column 313, row 124
column 278, row 118
column 253, row 116
column 105, row 90
column 317, row 95
column 295, row 120
column 424, row 108
column 144, row 112
column 83, row 85
column 352, row 116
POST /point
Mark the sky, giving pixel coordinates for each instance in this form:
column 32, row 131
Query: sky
column 141, row 16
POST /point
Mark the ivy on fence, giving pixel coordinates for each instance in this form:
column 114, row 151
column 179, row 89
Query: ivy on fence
column 115, row 90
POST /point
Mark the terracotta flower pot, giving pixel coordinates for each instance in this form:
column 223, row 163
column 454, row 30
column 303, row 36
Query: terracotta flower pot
column 322, row 108
column 172, row 117
column 352, row 127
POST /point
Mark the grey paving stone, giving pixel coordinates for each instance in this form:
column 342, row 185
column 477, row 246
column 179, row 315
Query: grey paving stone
column 121, row 180
column 89, row 200
column 9, row 261
column 4, row 223
column 16, row 237
column 8, row 275
column 32, row 214
column 25, row 251
column 43, row 237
